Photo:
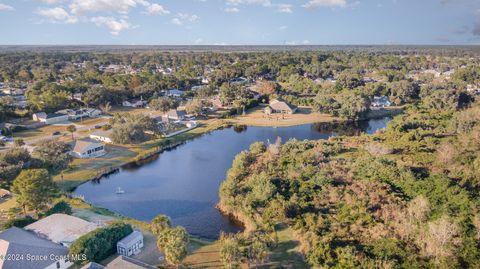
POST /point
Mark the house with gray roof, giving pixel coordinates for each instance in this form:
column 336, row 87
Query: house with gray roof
column 29, row 251
column 121, row 262
column 175, row 115
column 277, row 106
column 61, row 228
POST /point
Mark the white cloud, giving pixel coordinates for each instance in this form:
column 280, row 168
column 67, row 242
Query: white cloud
column 325, row 3
column 4, row 7
column 284, row 8
column 157, row 9
column 232, row 10
column 57, row 15
column 120, row 6
column 52, row 2
column 113, row 24
column 282, row 28
column 265, row 3
column 198, row 41
column 182, row 18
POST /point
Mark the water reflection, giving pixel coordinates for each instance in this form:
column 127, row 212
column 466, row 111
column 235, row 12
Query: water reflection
column 183, row 182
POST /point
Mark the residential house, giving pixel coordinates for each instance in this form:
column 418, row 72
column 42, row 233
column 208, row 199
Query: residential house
column 51, row 118
column 175, row 115
column 380, row 101
column 16, row 242
column 14, row 91
column 175, row 93
column 76, row 114
column 87, row 149
column 131, row 244
column 277, row 106
column 104, row 136
column 121, row 262
column 61, row 228
column 135, row 103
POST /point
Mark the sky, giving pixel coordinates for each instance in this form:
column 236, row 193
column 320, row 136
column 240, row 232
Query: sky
column 239, row 22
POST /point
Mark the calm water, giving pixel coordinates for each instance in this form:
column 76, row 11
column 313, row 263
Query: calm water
column 183, row 183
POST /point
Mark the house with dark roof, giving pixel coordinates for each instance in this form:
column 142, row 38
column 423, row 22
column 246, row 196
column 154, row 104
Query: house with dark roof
column 277, row 106
column 29, row 251
column 87, row 149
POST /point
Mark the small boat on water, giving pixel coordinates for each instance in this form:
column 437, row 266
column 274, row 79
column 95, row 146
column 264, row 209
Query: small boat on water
column 119, row 191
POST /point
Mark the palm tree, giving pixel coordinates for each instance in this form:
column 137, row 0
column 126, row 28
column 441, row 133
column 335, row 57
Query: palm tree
column 72, row 129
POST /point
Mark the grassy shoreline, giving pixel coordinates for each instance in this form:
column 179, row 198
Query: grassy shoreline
column 83, row 170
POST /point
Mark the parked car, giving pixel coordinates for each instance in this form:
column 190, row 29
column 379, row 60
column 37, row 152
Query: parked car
column 56, row 133
column 98, row 126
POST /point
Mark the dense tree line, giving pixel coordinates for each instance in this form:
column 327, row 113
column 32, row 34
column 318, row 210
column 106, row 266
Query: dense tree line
column 404, row 197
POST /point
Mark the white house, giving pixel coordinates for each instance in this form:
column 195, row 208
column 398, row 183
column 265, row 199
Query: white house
column 61, row 228
column 380, row 101
column 134, row 103
column 175, row 93
column 131, row 244
column 49, row 118
column 103, row 136
column 87, row 149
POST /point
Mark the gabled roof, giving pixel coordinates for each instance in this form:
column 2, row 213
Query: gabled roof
column 16, row 241
column 41, row 114
column 61, row 228
column 173, row 113
column 131, row 238
column 281, row 105
column 93, row 265
column 83, row 145
column 122, row 262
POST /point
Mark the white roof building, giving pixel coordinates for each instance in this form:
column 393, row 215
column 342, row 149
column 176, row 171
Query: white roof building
column 61, row 228
column 87, row 149
column 104, row 136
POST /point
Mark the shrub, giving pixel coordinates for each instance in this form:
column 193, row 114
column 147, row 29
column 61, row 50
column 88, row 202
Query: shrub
column 100, row 243
column 60, row 207
column 19, row 222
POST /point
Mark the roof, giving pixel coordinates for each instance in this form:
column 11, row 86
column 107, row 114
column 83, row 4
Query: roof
column 173, row 113
column 83, row 145
column 281, row 105
column 92, row 265
column 16, row 241
column 61, row 228
column 55, row 115
column 106, row 133
column 122, row 262
column 131, row 238
column 175, row 92
column 41, row 114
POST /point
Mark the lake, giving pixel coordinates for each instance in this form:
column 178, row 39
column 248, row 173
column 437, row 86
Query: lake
column 183, row 183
